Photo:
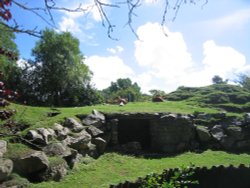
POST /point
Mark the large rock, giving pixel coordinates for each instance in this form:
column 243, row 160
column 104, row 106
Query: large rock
column 60, row 131
column 96, row 119
column 100, row 144
column 235, row 132
column 203, row 133
column 73, row 125
column 60, row 150
column 79, row 142
column 31, row 164
column 47, row 134
column 35, row 137
column 247, row 118
column 171, row 133
column 3, row 147
column 94, row 132
column 55, row 171
column 92, row 151
column 217, row 132
column 57, row 149
column 6, row 167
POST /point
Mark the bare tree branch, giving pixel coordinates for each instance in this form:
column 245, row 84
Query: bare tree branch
column 45, row 13
column 131, row 8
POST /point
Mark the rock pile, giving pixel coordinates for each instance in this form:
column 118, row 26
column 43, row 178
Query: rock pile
column 55, row 150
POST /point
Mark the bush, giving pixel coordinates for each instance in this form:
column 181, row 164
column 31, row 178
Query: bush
column 181, row 177
column 217, row 98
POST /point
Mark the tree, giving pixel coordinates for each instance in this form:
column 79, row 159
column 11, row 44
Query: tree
column 45, row 10
column 9, row 72
column 156, row 92
column 244, row 80
column 123, row 87
column 8, row 57
column 217, row 80
column 59, row 70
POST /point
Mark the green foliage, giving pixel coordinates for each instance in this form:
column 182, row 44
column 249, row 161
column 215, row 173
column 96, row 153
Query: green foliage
column 59, row 76
column 216, row 95
column 123, row 88
column 8, row 66
column 244, row 80
column 217, row 80
column 156, row 92
column 181, row 178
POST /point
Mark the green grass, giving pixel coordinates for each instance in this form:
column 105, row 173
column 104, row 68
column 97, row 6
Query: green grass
column 37, row 116
column 113, row 168
column 16, row 150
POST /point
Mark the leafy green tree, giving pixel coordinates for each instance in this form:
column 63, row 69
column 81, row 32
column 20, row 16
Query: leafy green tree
column 244, row 80
column 217, row 80
column 8, row 65
column 60, row 67
column 123, row 87
column 156, row 92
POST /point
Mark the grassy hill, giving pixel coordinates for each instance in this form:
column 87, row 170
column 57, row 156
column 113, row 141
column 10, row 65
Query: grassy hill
column 112, row 168
column 231, row 98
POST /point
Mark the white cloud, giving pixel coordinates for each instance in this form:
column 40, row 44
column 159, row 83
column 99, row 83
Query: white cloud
column 69, row 24
column 167, row 57
column 117, row 49
column 107, row 69
column 233, row 21
column 236, row 19
column 222, row 60
column 80, row 23
column 168, row 64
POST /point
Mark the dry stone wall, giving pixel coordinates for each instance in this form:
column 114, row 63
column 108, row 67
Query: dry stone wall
column 166, row 133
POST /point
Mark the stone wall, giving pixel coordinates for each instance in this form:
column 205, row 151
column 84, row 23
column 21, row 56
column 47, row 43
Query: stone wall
column 140, row 133
column 175, row 133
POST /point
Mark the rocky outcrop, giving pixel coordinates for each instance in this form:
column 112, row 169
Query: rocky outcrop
column 100, row 144
column 6, row 167
column 56, row 171
column 73, row 125
column 3, row 147
column 171, row 133
column 60, row 131
column 31, row 164
column 203, row 134
column 95, row 119
column 79, row 141
column 40, row 136
column 67, row 143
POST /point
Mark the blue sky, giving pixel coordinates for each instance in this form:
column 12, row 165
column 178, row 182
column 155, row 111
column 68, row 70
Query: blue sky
column 203, row 41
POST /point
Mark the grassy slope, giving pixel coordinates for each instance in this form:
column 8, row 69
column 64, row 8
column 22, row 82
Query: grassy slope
column 232, row 98
column 113, row 168
column 37, row 116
